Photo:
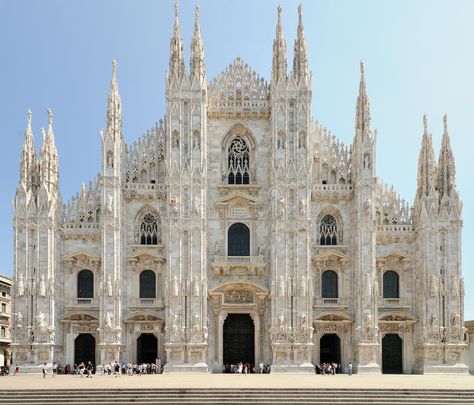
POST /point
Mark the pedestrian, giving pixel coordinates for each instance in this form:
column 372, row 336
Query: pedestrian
column 44, row 370
column 17, row 369
column 55, row 369
column 260, row 365
column 349, row 369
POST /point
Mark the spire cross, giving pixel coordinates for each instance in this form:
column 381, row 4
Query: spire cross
column 28, row 119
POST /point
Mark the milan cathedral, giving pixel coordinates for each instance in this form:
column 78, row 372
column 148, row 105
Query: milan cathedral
column 238, row 228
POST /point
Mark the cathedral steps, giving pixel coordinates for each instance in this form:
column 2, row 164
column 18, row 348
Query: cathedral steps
column 236, row 396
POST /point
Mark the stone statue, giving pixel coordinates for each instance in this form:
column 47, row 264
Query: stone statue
column 281, row 322
column 368, row 322
column 454, row 286
column 455, row 321
column 174, row 203
column 205, row 333
column 196, row 322
column 216, row 248
column 108, row 321
column 311, row 332
column 423, row 333
column 302, row 207
column 196, row 204
column 109, row 204
column 175, row 334
column 110, row 160
column 376, row 287
column 433, row 285
column 368, row 284
column 196, row 286
column 303, row 321
column 358, row 333
column 281, row 203
column 21, row 286
column 434, row 322
column 19, row 321
column 367, row 206
column 281, row 287
column 261, row 249
column 366, row 161
column 42, row 286
column 175, row 286
column 302, row 286
column 51, row 285
column 109, row 286
column 41, row 318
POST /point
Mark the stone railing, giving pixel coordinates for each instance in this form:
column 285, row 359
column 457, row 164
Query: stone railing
column 81, row 230
column 226, row 265
column 331, row 191
column 395, row 233
column 147, row 190
column 392, row 302
column 238, row 109
column 327, row 302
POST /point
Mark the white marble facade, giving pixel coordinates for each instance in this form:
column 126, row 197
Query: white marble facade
column 239, row 202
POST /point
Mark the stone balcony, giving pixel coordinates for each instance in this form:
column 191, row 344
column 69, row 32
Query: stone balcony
column 333, row 303
column 331, row 192
column 142, row 303
column 393, row 303
column 239, row 265
column 395, row 233
column 145, row 190
column 82, row 304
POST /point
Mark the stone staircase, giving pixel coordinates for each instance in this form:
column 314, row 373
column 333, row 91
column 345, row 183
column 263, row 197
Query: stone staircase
column 259, row 396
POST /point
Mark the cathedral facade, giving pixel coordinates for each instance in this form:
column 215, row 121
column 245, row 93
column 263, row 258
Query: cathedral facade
column 238, row 228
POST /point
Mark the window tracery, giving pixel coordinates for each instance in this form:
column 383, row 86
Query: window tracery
column 328, row 231
column 238, row 162
column 148, row 232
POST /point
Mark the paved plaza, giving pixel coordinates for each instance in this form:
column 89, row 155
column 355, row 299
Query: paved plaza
column 437, row 381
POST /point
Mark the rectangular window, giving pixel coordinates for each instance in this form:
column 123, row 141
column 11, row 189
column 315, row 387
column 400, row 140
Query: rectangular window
column 4, row 307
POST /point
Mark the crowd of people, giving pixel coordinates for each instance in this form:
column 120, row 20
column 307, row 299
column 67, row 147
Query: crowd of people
column 129, row 369
column 328, row 368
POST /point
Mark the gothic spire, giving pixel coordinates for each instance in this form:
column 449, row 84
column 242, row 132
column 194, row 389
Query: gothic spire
column 49, row 155
column 300, row 58
column 426, row 164
column 197, row 68
column 279, row 52
column 114, row 107
column 176, row 50
column 28, row 154
column 446, row 167
column 362, row 107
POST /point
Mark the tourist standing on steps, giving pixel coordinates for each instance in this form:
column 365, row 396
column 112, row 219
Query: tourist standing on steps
column 349, row 369
column 55, row 369
column 44, row 370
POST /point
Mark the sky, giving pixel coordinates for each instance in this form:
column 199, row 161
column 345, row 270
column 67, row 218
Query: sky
column 418, row 55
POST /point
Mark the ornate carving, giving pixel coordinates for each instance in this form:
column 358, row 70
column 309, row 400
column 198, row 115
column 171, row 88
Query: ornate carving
column 238, row 297
column 42, row 286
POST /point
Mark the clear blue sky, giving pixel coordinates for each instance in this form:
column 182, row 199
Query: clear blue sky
column 419, row 57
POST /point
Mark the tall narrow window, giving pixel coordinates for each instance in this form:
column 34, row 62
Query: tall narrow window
column 329, row 287
column 149, row 230
column 328, row 231
column 239, row 240
column 391, row 284
column 147, row 284
column 238, row 162
column 85, row 284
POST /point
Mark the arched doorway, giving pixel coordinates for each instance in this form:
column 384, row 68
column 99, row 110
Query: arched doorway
column 330, row 349
column 84, row 348
column 147, row 348
column 392, row 354
column 239, row 339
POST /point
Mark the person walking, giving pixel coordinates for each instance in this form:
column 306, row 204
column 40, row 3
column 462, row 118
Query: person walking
column 349, row 369
column 44, row 369
column 260, row 365
column 55, row 369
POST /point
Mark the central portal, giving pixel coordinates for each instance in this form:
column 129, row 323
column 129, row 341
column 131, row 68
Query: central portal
column 147, row 348
column 239, row 339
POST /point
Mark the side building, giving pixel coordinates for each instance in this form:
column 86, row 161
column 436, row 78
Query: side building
column 5, row 320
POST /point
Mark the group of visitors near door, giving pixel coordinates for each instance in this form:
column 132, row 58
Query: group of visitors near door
column 332, row 369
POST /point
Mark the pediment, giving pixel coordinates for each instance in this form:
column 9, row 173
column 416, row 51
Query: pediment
column 332, row 255
column 236, row 199
column 79, row 317
column 81, row 256
column 337, row 316
column 240, row 286
column 144, row 255
column 399, row 316
column 393, row 259
column 143, row 317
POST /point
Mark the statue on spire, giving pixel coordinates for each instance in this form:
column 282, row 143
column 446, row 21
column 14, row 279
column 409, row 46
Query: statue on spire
column 197, row 69
column 279, row 52
column 300, row 57
column 176, row 49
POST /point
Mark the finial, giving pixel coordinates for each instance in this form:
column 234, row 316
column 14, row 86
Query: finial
column 176, row 10
column 28, row 114
column 279, row 10
column 445, row 122
column 114, row 66
column 300, row 11
column 361, row 68
column 197, row 11
column 50, row 116
column 425, row 122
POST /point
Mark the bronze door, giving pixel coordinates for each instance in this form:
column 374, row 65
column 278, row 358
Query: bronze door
column 239, row 339
column 392, row 354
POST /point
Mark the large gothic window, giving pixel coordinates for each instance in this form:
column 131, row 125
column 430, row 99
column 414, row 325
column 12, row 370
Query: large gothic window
column 329, row 285
column 238, row 238
column 328, row 231
column 391, row 285
column 147, row 284
column 85, row 284
column 238, row 162
column 148, row 234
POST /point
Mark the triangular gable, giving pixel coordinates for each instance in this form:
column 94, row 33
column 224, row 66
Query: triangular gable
column 332, row 255
column 80, row 255
column 237, row 198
